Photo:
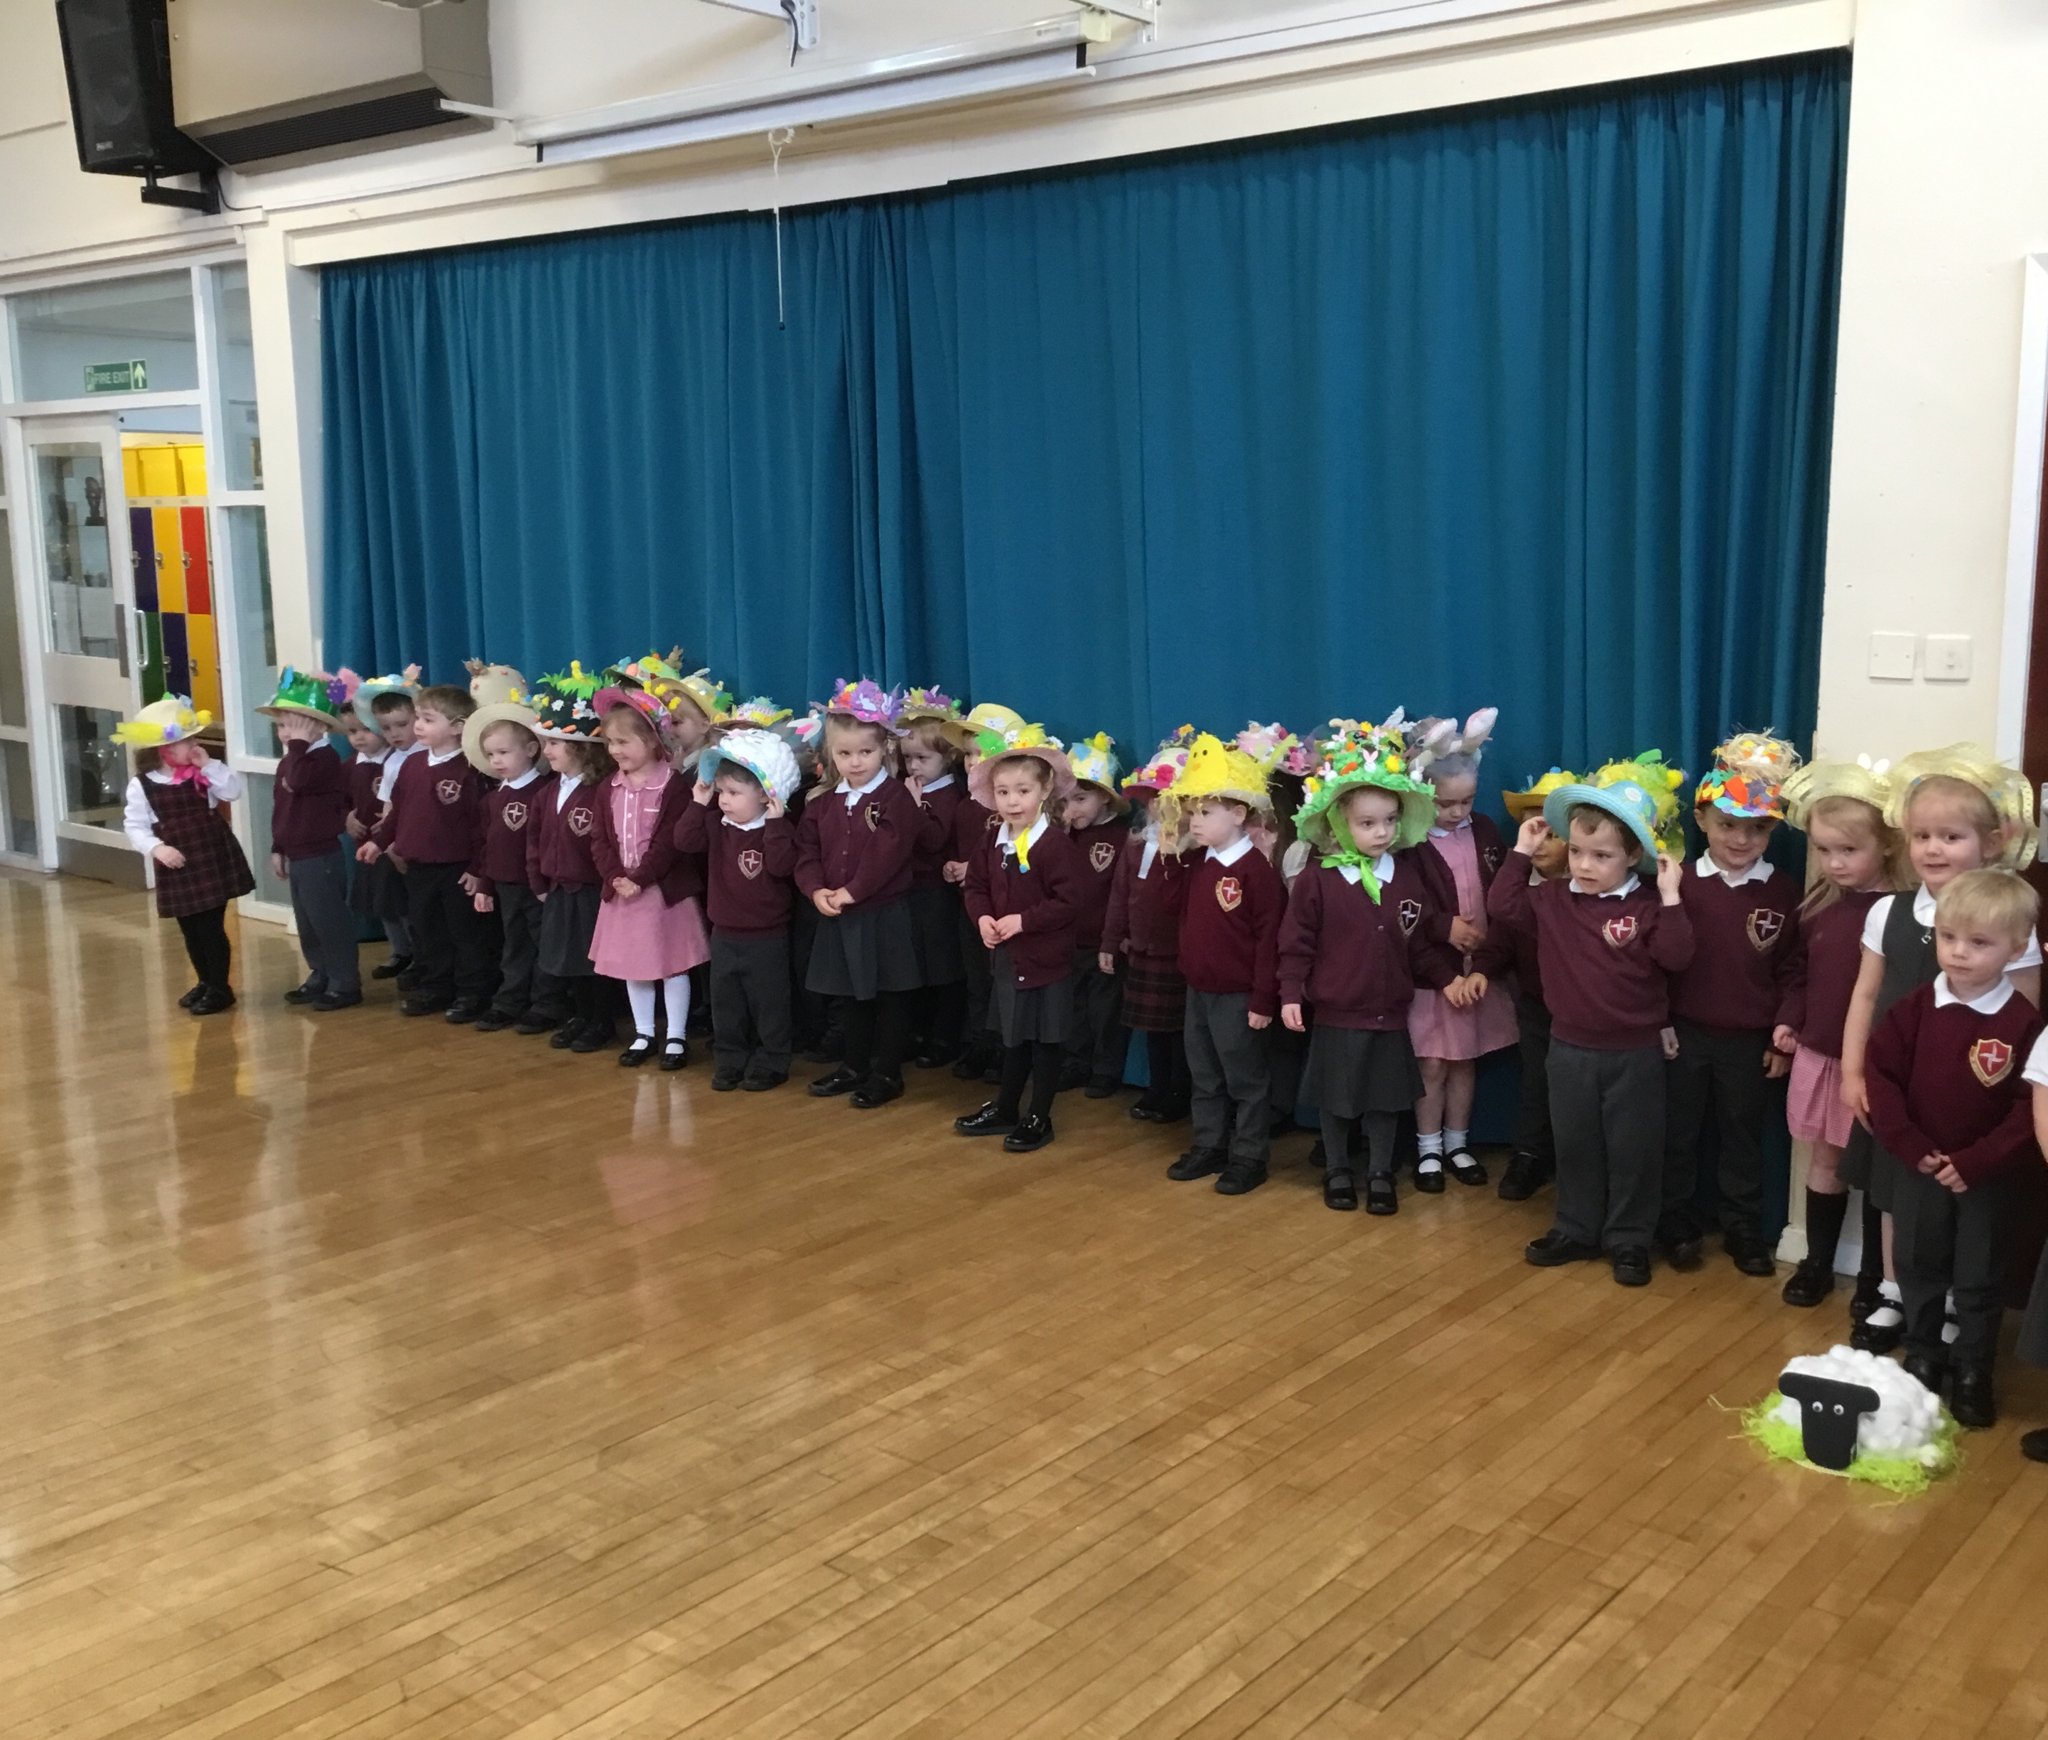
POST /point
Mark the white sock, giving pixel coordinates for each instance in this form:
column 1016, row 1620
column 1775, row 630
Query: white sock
column 640, row 995
column 1430, row 1142
column 1454, row 1140
column 1890, row 1289
column 675, row 995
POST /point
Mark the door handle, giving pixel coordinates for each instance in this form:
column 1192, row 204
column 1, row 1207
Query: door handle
column 121, row 635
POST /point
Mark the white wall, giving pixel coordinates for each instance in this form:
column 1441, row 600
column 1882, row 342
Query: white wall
column 1948, row 190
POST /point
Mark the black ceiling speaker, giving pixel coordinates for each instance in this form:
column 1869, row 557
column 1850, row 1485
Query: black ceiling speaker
column 117, row 63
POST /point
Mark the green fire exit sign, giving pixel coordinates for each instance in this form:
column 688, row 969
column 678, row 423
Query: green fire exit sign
column 123, row 377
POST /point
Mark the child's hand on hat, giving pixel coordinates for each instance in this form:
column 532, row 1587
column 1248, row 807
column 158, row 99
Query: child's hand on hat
column 702, row 794
column 1670, row 877
column 1291, row 1019
column 1533, row 832
column 777, row 809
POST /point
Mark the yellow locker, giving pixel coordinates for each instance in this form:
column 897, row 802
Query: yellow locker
column 191, row 468
column 159, row 470
column 131, row 470
column 170, row 560
column 205, row 654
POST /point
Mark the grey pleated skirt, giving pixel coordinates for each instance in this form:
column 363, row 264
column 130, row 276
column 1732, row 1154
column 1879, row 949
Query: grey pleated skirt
column 1352, row 1071
column 1042, row 1015
column 865, row 951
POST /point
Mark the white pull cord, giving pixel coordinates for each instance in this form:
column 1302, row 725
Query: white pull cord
column 777, row 138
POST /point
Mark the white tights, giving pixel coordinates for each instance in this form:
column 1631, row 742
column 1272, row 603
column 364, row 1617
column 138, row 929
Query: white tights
column 675, row 993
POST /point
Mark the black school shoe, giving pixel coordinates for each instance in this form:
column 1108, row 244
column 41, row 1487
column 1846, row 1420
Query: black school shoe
column 878, row 1090
column 594, row 1036
column 1869, row 1295
column 725, row 1079
column 2034, row 1444
column 1931, row 1372
column 1465, row 1168
column 991, row 1120
column 675, row 1054
column 212, row 999
column 1631, row 1264
column 463, row 1011
column 419, row 1004
column 1810, row 1283
column 932, row 1055
column 1380, row 1196
column 1431, row 1182
column 1029, row 1136
column 566, row 1035
column 1240, row 1177
column 1526, row 1174
column 497, row 1020
column 533, row 1021
column 1681, row 1242
column 329, row 1001
column 306, row 992
column 1101, row 1087
column 761, row 1081
column 1554, row 1249
column 192, row 996
column 1073, row 1075
column 839, row 1081
column 396, row 967
column 1197, row 1163
column 1748, row 1252
column 638, row 1052
column 1971, row 1398
column 1339, row 1192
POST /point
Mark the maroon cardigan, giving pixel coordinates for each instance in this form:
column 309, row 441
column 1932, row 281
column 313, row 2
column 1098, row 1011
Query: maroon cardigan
column 1142, row 910
column 1047, row 898
column 679, row 875
column 938, row 816
column 1490, row 850
column 866, row 849
column 1358, row 960
column 558, row 841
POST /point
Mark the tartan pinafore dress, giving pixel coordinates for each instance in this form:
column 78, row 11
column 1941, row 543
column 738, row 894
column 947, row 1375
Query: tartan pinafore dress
column 214, row 871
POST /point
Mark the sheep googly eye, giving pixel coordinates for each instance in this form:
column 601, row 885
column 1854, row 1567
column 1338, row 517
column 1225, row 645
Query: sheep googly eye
column 1838, row 1407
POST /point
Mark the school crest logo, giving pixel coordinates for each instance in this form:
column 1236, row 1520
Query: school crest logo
column 1102, row 855
column 515, row 816
column 1493, row 857
column 994, row 822
column 1409, row 912
column 579, row 822
column 1229, row 893
column 449, row 791
column 1620, row 932
column 1765, row 927
column 1991, row 1061
column 750, row 863
column 874, row 815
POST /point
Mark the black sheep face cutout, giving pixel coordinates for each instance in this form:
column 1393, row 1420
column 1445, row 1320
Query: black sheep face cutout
column 1830, row 1412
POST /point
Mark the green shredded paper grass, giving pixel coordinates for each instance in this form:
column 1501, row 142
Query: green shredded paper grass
column 1906, row 1476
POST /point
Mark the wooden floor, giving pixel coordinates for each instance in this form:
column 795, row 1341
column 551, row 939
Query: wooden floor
column 369, row 1378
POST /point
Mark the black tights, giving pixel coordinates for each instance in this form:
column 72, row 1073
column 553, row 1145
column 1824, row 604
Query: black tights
column 1166, row 1063
column 1039, row 1066
column 941, row 1014
column 206, row 943
column 877, row 1034
column 1380, row 1129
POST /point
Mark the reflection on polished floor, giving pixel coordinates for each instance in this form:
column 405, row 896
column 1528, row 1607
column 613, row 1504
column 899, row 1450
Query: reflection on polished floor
column 368, row 1378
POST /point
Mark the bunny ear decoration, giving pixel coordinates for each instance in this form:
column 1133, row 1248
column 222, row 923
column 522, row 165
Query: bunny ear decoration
column 1478, row 728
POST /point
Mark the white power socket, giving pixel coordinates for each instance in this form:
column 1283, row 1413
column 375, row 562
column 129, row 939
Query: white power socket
column 1892, row 655
column 1948, row 658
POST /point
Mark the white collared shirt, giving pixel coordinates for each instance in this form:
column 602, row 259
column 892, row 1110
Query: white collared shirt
column 1436, row 833
column 523, row 781
column 1704, row 865
column 939, row 784
column 1382, row 870
column 760, row 821
column 853, row 794
column 566, row 790
column 1146, row 857
column 1004, row 837
column 1923, row 915
column 394, row 759
column 1629, row 886
column 2037, row 1063
column 1985, row 1002
column 1230, row 854
column 446, row 755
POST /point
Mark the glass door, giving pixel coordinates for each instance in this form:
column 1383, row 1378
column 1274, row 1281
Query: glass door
column 84, row 598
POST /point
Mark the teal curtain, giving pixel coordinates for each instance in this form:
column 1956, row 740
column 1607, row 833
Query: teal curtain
column 1524, row 405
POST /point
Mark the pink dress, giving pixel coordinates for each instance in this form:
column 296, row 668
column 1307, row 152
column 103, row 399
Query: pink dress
column 1434, row 1027
column 645, row 938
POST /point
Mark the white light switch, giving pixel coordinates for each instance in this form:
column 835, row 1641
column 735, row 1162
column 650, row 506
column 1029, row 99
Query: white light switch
column 1891, row 657
column 1948, row 658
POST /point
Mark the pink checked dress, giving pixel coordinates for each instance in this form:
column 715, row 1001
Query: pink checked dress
column 645, row 938
column 1434, row 1027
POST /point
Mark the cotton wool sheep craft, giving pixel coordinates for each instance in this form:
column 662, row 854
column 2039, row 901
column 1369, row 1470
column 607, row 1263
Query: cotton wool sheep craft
column 1859, row 1415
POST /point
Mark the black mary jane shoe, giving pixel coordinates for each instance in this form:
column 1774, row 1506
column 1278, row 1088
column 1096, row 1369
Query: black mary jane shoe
column 1869, row 1295
column 212, row 1000
column 396, row 967
column 596, row 1036
column 1380, row 1195
column 675, row 1055
column 989, row 1121
column 638, row 1052
column 877, row 1090
column 1029, row 1136
column 1971, row 1399
column 192, row 996
column 1466, row 1168
column 761, row 1081
column 1339, row 1192
column 307, row 992
column 535, row 1022
column 726, row 1080
column 1809, row 1284
column 836, row 1082
column 1429, row 1181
